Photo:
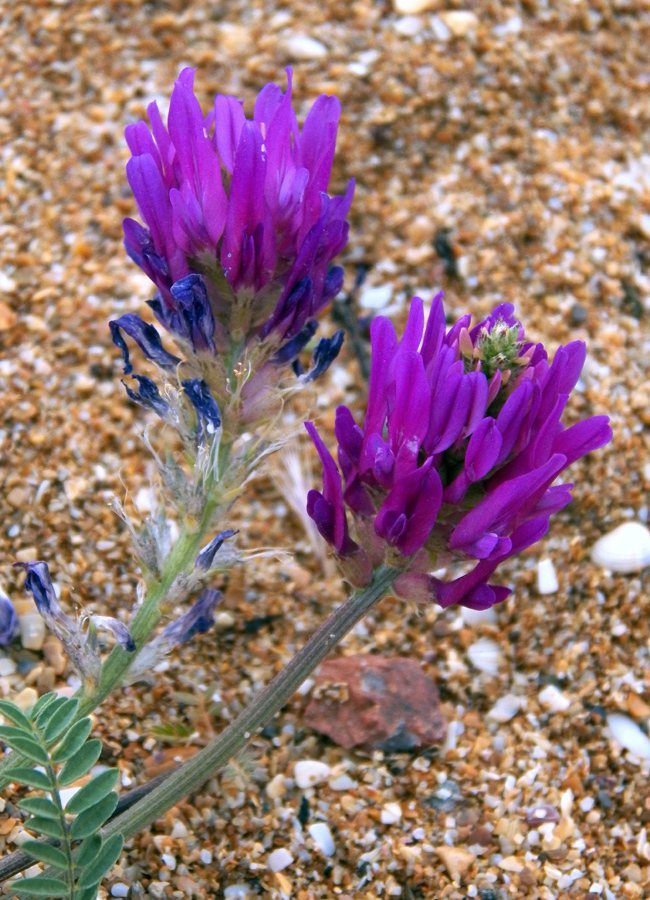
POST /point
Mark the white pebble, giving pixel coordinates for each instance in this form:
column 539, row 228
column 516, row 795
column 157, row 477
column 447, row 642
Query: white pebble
column 587, row 804
column 391, row 813
column 376, row 297
column 32, row 631
column 322, row 837
column 237, row 892
column 510, row 26
column 474, row 617
column 644, row 225
column 343, row 783
column 628, row 733
column 206, row 857
column 67, row 794
column 7, row 666
column 120, row 890
column 309, row 772
column 459, row 21
column 552, row 698
column 179, row 831
column 547, row 582
column 485, row 655
column 412, row 7
column 408, row 26
column 7, row 284
column 440, row 30
column 279, row 860
column 505, row 708
column 301, row 46
column 626, row 549
column 169, row 861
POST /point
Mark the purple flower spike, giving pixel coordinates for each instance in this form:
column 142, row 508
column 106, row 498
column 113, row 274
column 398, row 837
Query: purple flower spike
column 241, row 203
column 8, row 620
column 457, row 456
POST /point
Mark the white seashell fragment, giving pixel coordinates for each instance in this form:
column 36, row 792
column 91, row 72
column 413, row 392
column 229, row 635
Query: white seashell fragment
column 505, row 708
column 485, row 655
column 547, row 582
column 322, row 837
column 309, row 772
column 279, row 859
column 376, row 297
column 391, row 813
column 625, row 549
column 628, row 733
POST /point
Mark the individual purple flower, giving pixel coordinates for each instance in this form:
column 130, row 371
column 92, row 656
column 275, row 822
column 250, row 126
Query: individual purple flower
column 457, row 456
column 239, row 231
column 206, row 557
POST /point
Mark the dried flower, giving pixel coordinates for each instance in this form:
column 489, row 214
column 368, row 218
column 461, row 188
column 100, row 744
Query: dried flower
column 456, row 459
column 8, row 620
column 249, row 259
column 78, row 637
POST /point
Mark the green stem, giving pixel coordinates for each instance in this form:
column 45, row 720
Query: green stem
column 190, row 776
column 65, row 844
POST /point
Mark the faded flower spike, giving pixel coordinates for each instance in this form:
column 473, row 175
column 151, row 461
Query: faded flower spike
column 239, row 230
column 457, row 456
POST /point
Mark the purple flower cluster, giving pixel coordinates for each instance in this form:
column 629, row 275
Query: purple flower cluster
column 239, row 230
column 457, row 456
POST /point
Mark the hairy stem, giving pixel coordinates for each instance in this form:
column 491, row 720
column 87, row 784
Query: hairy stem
column 190, row 776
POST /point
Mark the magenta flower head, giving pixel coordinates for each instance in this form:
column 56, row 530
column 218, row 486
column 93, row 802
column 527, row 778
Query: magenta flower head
column 457, row 458
column 239, row 231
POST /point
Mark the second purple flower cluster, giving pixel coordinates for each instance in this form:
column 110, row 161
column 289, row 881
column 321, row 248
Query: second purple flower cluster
column 456, row 459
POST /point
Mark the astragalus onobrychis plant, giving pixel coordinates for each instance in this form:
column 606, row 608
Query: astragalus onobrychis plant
column 455, row 462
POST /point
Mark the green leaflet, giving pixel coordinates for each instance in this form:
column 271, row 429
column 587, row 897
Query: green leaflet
column 48, row 827
column 88, row 851
column 88, row 894
column 103, row 862
column 79, row 764
column 41, row 703
column 92, row 792
column 48, row 710
column 59, row 721
column 72, row 741
column 42, row 887
column 27, row 747
column 91, row 820
column 45, row 853
column 40, row 806
column 31, row 777
column 10, row 711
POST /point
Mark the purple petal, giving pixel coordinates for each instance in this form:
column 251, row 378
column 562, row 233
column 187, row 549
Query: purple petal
column 118, row 629
column 147, row 339
column 148, row 396
column 229, row 120
column 204, row 403
column 9, row 625
column 206, row 557
column 198, row 619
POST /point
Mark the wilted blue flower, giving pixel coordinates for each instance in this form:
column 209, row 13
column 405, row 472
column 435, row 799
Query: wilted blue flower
column 457, row 456
column 204, row 403
column 206, row 557
column 240, row 231
column 81, row 646
column 8, row 620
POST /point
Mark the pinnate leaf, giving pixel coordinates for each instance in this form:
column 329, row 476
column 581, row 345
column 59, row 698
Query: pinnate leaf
column 91, row 820
column 31, row 777
column 60, row 720
column 40, row 806
column 92, row 792
column 79, row 764
column 42, row 887
column 45, row 853
column 104, row 861
column 72, row 741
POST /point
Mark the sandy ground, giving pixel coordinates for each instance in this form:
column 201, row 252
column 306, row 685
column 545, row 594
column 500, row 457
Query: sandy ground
column 521, row 129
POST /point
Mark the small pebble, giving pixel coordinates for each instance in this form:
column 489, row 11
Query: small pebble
column 120, row 890
column 628, row 733
column 279, row 859
column 626, row 549
column 485, row 655
column 547, row 582
column 309, row 772
column 276, row 787
column 376, row 297
column 237, row 892
column 7, row 666
column 206, row 857
column 342, row 783
column 26, row 698
column 552, row 698
column 459, row 21
column 413, row 7
column 300, row 46
column 179, row 831
column 476, row 617
column 409, row 26
column 391, row 813
column 322, row 837
column 505, row 708
column 456, row 860
column 32, row 631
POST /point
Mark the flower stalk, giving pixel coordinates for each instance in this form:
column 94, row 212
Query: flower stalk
column 190, row 776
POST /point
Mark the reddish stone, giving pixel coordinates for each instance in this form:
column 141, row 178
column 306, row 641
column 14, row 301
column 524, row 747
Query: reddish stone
column 376, row 704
